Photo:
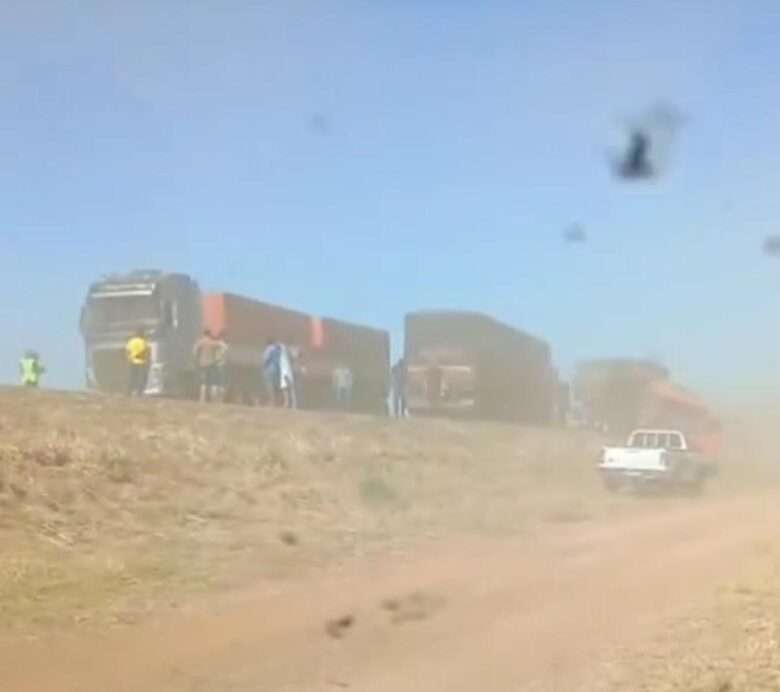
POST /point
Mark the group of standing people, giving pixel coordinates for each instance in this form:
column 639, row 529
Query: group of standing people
column 281, row 371
column 209, row 354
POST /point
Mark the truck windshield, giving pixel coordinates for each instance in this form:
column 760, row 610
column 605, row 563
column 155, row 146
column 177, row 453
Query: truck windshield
column 112, row 311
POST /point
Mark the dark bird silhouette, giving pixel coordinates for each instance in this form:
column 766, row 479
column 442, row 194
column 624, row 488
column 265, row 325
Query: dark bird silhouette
column 636, row 162
column 772, row 245
column 648, row 143
column 319, row 124
column 575, row 234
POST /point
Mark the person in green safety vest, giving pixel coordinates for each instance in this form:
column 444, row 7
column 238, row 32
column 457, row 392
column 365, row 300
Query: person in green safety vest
column 31, row 369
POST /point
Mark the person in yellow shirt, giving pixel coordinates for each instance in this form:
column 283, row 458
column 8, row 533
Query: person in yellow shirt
column 137, row 350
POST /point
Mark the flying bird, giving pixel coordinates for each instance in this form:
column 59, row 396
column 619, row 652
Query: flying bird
column 319, row 124
column 636, row 163
column 772, row 245
column 575, row 235
column 645, row 150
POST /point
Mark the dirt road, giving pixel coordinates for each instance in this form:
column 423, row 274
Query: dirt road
column 531, row 613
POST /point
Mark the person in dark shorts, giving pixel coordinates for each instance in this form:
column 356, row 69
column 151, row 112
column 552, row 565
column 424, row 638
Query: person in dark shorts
column 207, row 353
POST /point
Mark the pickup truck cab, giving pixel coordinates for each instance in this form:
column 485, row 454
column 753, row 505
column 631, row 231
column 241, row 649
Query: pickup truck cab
column 654, row 457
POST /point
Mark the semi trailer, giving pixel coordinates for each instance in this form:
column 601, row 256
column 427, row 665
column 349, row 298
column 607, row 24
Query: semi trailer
column 173, row 312
column 466, row 364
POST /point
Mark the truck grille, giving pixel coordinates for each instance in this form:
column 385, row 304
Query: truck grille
column 111, row 370
column 453, row 389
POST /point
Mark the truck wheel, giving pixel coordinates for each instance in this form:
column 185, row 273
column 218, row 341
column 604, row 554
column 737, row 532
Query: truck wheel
column 612, row 484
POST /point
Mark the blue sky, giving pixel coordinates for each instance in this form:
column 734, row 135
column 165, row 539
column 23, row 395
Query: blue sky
column 463, row 138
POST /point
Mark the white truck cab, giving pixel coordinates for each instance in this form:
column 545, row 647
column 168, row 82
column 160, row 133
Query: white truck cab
column 654, row 457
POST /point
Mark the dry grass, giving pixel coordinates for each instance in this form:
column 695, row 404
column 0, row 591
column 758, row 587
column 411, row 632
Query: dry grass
column 109, row 507
column 732, row 645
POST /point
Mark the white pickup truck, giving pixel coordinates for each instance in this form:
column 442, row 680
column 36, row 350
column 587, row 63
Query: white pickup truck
column 660, row 458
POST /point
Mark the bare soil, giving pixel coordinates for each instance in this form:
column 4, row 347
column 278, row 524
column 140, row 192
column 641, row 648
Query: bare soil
column 159, row 546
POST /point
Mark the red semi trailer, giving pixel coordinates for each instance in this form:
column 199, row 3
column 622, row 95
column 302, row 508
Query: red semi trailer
column 323, row 344
column 667, row 404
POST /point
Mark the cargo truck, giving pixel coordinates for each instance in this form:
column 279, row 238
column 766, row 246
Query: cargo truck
column 466, row 364
column 620, row 394
column 173, row 312
column 667, row 404
column 611, row 392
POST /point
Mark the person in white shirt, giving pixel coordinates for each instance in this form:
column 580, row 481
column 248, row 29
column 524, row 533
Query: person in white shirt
column 342, row 386
column 287, row 376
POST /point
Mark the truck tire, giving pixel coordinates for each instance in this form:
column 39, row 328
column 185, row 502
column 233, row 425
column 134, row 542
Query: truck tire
column 613, row 484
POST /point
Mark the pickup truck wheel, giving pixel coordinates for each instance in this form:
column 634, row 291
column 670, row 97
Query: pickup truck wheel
column 612, row 484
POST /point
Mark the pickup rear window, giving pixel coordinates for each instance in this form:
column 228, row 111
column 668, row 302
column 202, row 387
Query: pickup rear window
column 675, row 441
column 651, row 440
